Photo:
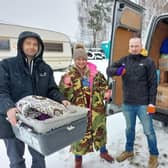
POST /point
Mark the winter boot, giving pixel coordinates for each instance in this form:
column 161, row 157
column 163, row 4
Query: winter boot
column 107, row 157
column 153, row 161
column 78, row 162
column 124, row 155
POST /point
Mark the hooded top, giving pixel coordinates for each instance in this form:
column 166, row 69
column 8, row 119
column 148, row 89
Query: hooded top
column 21, row 55
column 25, row 35
column 18, row 80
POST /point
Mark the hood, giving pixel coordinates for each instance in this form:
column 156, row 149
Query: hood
column 92, row 68
column 21, row 39
column 143, row 53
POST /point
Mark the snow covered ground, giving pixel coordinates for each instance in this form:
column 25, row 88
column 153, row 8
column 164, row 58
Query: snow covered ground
column 115, row 144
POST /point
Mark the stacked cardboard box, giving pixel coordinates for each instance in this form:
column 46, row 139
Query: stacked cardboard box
column 163, row 77
column 162, row 95
column 163, row 64
column 162, row 90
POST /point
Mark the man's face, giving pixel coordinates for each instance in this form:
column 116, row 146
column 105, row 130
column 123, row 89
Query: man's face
column 81, row 62
column 30, row 46
column 135, row 46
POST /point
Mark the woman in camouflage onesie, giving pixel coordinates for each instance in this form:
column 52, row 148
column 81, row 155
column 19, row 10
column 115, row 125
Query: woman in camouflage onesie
column 84, row 86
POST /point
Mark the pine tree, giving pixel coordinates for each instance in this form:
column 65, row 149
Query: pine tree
column 99, row 15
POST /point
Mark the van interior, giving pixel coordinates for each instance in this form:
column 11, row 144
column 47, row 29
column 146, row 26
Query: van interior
column 159, row 34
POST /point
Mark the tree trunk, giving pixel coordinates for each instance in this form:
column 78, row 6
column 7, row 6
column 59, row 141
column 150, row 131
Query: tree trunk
column 94, row 39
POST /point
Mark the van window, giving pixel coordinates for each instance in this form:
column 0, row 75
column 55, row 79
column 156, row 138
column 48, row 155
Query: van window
column 4, row 44
column 58, row 47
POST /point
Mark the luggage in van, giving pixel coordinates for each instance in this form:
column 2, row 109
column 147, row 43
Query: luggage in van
column 48, row 126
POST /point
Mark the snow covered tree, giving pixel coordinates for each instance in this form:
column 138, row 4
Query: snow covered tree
column 98, row 16
column 94, row 15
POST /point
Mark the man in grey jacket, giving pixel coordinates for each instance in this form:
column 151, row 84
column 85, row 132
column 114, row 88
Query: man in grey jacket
column 20, row 76
column 139, row 93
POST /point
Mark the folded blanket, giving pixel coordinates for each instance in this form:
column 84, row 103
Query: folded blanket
column 38, row 107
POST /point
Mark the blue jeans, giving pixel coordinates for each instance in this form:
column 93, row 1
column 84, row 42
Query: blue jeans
column 15, row 151
column 130, row 112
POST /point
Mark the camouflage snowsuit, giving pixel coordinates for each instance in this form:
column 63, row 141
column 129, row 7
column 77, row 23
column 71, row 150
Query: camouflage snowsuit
column 95, row 135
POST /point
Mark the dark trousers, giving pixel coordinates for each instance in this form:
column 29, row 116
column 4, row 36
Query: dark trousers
column 15, row 151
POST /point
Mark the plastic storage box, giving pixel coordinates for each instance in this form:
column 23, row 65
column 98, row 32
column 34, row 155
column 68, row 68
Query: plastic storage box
column 49, row 135
column 54, row 140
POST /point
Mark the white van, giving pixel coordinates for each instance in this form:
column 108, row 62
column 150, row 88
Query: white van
column 57, row 51
column 127, row 20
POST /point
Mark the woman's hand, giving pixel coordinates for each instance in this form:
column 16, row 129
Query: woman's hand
column 108, row 94
column 67, row 81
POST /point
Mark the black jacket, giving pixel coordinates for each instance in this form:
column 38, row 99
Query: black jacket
column 140, row 80
column 17, row 81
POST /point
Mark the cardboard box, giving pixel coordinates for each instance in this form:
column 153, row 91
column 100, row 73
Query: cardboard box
column 162, row 95
column 163, row 64
column 163, row 77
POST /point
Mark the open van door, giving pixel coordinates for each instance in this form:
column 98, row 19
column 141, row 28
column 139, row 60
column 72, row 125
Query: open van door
column 126, row 21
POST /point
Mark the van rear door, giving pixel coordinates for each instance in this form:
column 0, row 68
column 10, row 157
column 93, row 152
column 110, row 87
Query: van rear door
column 126, row 21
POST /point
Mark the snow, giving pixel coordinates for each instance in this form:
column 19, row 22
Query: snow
column 115, row 144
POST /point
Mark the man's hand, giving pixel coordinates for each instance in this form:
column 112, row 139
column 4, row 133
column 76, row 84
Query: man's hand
column 66, row 102
column 11, row 114
column 121, row 71
column 108, row 94
column 151, row 109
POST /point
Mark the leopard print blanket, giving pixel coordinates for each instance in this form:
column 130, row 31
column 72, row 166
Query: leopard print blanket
column 34, row 106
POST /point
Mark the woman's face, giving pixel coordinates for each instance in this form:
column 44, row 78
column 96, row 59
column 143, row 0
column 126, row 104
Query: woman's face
column 80, row 62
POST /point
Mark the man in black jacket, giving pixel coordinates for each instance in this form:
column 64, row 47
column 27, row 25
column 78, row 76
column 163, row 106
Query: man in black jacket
column 139, row 93
column 20, row 76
